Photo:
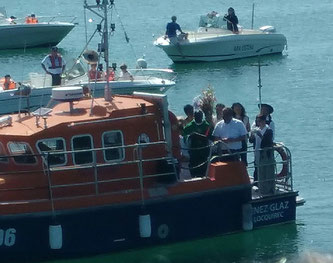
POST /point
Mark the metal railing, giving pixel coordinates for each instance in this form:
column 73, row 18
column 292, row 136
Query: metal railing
column 279, row 164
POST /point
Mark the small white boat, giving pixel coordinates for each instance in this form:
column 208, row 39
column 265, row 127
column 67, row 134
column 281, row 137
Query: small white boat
column 37, row 92
column 213, row 42
column 16, row 33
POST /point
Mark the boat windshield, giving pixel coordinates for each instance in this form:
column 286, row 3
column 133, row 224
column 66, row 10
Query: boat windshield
column 75, row 70
column 3, row 14
column 213, row 20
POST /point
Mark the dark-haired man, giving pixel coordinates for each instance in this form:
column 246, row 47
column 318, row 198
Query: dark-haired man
column 54, row 64
column 231, row 132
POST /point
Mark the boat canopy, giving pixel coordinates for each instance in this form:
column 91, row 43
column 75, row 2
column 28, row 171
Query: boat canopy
column 213, row 20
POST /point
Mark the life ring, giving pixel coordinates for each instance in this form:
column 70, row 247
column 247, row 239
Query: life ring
column 284, row 158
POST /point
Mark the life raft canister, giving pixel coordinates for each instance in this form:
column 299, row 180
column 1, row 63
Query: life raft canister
column 11, row 85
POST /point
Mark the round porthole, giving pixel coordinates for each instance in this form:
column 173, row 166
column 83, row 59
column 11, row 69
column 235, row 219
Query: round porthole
column 163, row 231
column 143, row 138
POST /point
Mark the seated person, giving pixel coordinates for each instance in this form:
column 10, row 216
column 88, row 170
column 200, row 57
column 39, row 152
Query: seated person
column 124, row 74
column 33, row 19
column 111, row 73
column 12, row 20
column 94, row 73
column 7, row 83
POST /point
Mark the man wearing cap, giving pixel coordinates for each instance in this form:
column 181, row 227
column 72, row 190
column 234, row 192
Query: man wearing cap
column 230, row 131
column 267, row 110
column 124, row 74
column 262, row 138
column 54, row 65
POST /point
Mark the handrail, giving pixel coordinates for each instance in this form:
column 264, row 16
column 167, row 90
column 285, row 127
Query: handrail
column 284, row 183
column 285, row 175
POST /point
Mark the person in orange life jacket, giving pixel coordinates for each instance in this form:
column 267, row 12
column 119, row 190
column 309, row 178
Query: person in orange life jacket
column 31, row 19
column 54, row 64
column 7, row 83
column 111, row 74
column 93, row 73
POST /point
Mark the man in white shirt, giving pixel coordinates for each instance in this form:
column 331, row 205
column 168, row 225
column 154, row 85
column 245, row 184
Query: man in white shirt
column 54, row 64
column 230, row 131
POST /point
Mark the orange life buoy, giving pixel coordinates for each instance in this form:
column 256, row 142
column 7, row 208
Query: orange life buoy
column 284, row 157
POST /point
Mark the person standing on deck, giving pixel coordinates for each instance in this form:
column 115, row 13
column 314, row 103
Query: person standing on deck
column 54, row 64
column 232, row 20
column 171, row 30
column 264, row 173
column 231, row 132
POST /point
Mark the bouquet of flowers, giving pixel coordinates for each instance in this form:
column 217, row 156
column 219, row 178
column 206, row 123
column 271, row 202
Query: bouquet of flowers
column 206, row 102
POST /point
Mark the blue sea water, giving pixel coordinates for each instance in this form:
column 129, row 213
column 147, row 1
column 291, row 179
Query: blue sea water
column 298, row 84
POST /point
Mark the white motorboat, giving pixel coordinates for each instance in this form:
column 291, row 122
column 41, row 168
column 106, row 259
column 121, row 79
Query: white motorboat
column 37, row 92
column 213, row 42
column 16, row 33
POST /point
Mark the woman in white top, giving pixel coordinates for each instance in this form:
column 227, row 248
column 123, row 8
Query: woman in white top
column 240, row 114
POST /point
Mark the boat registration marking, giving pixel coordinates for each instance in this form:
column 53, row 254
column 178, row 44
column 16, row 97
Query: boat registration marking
column 270, row 211
column 243, row 48
column 7, row 237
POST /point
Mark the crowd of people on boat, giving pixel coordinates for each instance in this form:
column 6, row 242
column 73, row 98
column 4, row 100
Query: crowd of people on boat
column 96, row 73
column 229, row 130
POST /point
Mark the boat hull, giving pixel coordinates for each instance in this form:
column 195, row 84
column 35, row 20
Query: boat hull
column 33, row 35
column 225, row 47
column 113, row 228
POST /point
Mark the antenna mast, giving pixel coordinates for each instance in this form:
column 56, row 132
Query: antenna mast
column 103, row 47
column 259, row 65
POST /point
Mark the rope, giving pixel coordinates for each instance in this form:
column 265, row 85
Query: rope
column 126, row 36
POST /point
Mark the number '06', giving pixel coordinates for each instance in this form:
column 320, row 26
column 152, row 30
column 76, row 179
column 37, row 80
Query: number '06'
column 7, row 237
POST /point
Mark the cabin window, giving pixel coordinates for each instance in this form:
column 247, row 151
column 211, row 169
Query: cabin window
column 22, row 153
column 53, row 146
column 80, row 143
column 113, row 139
column 3, row 153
